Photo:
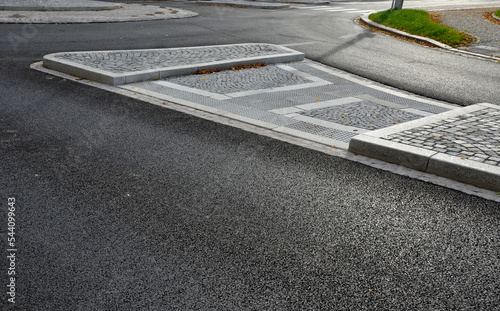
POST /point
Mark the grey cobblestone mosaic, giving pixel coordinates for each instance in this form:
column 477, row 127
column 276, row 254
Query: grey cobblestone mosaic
column 474, row 136
column 240, row 80
column 256, row 106
column 410, row 103
column 138, row 60
column 364, row 115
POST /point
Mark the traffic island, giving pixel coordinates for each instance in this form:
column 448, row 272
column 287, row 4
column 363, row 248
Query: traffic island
column 128, row 66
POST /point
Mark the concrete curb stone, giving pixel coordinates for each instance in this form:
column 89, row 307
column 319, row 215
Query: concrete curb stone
column 373, row 144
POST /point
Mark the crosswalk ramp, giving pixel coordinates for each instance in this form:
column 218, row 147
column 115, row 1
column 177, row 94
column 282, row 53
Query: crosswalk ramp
column 327, row 8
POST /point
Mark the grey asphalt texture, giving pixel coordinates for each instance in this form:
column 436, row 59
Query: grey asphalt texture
column 124, row 205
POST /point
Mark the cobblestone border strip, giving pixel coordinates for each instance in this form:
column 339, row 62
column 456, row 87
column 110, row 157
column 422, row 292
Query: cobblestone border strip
column 374, row 145
column 366, row 20
column 53, row 62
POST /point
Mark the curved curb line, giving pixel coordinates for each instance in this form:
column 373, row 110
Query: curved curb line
column 365, row 19
column 494, row 16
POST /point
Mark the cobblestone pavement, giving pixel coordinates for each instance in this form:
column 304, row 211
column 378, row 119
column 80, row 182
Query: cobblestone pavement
column 473, row 22
column 363, row 114
column 240, row 80
column 129, row 61
column 126, row 13
column 297, row 96
column 474, row 136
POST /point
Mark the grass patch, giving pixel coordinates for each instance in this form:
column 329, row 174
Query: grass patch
column 497, row 13
column 420, row 23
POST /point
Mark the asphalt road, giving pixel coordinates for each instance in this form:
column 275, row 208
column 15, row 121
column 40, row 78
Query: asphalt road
column 122, row 205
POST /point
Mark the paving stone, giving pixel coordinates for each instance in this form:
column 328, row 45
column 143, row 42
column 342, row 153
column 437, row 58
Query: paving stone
column 478, row 145
column 126, row 61
column 363, row 114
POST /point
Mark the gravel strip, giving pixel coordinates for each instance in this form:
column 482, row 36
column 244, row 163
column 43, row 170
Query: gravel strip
column 474, row 22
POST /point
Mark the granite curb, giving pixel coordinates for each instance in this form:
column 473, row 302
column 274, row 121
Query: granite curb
column 372, row 144
column 366, row 20
column 246, row 4
column 52, row 61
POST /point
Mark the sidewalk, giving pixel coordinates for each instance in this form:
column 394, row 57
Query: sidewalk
column 304, row 99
